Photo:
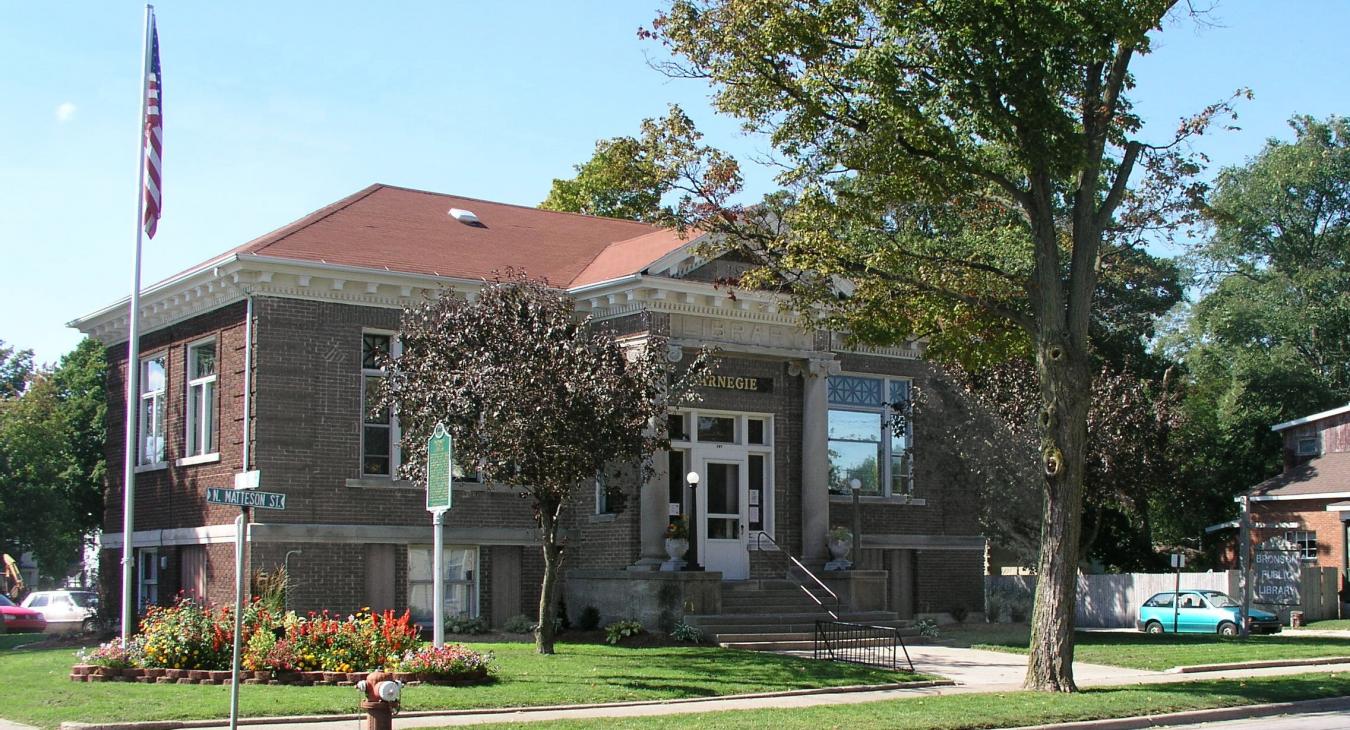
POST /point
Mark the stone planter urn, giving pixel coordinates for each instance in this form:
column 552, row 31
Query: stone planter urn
column 676, row 548
column 840, row 545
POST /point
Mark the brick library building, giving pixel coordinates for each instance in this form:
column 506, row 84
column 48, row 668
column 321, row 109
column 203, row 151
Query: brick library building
column 263, row 358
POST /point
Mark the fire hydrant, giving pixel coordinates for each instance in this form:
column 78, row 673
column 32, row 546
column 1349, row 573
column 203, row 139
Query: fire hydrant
column 381, row 701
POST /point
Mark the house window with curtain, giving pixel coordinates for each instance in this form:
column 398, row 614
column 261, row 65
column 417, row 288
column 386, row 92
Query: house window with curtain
column 201, row 399
column 150, row 421
column 460, row 580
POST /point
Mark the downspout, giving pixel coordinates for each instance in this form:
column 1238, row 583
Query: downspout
column 248, row 375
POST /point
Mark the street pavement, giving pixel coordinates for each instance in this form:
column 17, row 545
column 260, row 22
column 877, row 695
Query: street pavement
column 1310, row 721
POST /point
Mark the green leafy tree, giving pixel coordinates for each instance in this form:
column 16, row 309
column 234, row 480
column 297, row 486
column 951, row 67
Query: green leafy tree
column 1269, row 340
column 534, row 397
column 51, row 459
column 958, row 170
column 16, row 369
column 629, row 177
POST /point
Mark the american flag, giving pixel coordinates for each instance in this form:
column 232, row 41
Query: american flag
column 154, row 134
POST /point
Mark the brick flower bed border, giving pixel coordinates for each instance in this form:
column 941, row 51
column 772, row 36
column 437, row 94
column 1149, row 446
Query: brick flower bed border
column 91, row 673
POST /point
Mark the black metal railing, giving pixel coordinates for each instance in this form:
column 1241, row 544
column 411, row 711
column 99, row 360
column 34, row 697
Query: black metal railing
column 815, row 589
column 875, row 646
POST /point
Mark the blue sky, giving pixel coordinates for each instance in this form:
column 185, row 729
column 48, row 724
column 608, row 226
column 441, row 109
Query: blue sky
column 275, row 109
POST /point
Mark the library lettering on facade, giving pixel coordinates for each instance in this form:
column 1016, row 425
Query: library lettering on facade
column 786, row 419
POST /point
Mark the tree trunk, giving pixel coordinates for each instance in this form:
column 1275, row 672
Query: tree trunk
column 548, row 595
column 1065, row 392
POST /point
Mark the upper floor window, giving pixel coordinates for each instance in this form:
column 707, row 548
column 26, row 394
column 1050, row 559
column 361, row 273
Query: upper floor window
column 379, row 428
column 870, row 435
column 201, row 399
column 150, row 421
column 1305, row 541
column 602, row 505
column 1310, row 446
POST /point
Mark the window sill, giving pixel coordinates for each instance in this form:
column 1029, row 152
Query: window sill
column 899, row 500
column 152, row 467
column 390, row 483
column 199, row 459
column 603, row 517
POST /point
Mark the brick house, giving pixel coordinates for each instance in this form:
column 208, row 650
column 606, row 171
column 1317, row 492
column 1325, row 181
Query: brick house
column 1309, row 502
column 787, row 418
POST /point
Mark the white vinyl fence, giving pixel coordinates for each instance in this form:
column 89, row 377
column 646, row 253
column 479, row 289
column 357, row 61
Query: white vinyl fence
column 1112, row 601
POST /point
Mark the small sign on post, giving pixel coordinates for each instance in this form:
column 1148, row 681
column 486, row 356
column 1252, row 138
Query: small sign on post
column 440, row 465
column 440, row 468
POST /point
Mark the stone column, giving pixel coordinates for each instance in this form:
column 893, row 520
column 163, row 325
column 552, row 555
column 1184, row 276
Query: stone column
column 815, row 458
column 654, row 494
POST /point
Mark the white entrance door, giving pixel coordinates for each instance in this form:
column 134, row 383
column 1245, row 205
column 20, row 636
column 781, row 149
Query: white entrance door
column 722, row 498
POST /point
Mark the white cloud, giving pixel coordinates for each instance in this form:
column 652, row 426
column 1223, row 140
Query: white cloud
column 65, row 111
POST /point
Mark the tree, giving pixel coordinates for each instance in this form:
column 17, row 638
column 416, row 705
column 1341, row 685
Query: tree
column 628, row 177
column 959, row 170
column 16, row 369
column 1281, row 244
column 534, row 397
column 1269, row 340
column 51, row 459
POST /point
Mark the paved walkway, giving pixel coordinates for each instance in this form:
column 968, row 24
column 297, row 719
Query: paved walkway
column 973, row 671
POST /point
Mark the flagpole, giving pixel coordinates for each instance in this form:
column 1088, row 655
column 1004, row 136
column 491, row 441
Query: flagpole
column 134, row 363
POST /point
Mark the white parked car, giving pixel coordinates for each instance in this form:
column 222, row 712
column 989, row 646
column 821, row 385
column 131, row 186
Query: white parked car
column 66, row 610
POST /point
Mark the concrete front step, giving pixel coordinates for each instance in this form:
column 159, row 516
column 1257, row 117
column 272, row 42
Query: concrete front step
column 807, row 617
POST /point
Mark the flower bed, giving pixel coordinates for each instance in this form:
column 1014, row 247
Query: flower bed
column 192, row 643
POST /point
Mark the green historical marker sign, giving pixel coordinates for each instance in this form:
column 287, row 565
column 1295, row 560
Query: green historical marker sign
column 440, row 463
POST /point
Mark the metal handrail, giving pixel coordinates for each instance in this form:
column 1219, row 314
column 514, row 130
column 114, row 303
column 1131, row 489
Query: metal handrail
column 762, row 535
column 843, row 641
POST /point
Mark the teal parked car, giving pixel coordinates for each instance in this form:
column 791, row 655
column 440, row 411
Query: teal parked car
column 1201, row 612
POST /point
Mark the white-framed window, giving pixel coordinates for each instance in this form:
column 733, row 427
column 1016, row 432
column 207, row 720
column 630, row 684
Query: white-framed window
column 1309, row 446
column 379, row 427
column 1305, row 540
column 201, row 398
column 871, row 435
column 147, row 578
column 753, row 432
column 459, row 575
column 150, row 421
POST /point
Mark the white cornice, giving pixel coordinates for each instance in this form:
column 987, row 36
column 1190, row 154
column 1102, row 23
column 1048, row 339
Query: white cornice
column 232, row 278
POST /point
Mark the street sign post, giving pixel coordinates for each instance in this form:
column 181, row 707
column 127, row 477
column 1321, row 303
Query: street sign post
column 244, row 495
column 440, row 470
column 245, row 498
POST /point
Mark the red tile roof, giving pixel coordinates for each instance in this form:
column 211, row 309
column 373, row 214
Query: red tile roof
column 399, row 229
column 1325, row 474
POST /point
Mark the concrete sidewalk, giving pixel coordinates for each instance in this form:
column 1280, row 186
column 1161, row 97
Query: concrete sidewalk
column 973, row 671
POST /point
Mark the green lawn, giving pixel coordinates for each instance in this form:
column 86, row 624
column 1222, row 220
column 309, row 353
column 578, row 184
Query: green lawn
column 579, row 673
column 1334, row 624
column 1142, row 651
column 9, row 641
column 1008, row 709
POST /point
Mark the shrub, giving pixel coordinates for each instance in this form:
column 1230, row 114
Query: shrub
column 620, row 630
column 110, row 654
column 685, row 632
column 463, row 624
column 256, row 650
column 927, row 627
column 518, row 624
column 452, row 661
column 589, row 620
column 188, row 635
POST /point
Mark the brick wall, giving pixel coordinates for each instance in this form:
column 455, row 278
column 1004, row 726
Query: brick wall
column 1309, row 514
column 948, row 579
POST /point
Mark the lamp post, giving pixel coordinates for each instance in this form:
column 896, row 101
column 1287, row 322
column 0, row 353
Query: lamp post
column 692, row 480
column 855, row 488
